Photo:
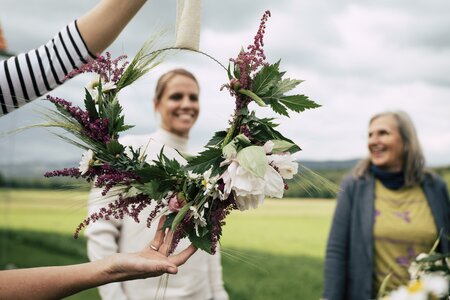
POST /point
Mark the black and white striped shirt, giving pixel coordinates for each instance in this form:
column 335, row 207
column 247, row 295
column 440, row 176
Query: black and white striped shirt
column 27, row 76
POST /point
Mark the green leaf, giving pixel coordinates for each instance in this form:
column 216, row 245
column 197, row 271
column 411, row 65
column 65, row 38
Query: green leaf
column 114, row 147
column 203, row 242
column 152, row 173
column 282, row 146
column 298, row 103
column 217, row 138
column 266, row 78
column 180, row 216
column 229, row 150
column 278, row 108
column 89, row 103
column 254, row 160
column 286, row 85
column 206, row 159
column 153, row 189
column 229, row 72
column 253, row 96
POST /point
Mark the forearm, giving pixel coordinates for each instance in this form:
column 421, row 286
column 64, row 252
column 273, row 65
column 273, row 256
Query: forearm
column 101, row 25
column 54, row 282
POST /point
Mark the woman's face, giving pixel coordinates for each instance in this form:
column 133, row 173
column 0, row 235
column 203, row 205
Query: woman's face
column 178, row 106
column 386, row 146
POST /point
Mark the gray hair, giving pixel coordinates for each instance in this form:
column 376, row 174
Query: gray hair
column 413, row 158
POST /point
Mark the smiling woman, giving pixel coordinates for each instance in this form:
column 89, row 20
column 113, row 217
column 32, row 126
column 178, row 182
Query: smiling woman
column 388, row 212
column 177, row 102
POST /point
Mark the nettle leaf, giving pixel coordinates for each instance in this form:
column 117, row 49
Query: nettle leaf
column 204, row 241
column 280, row 89
column 263, row 130
column 266, row 78
column 152, row 172
column 114, row 147
column 298, row 103
column 89, row 103
column 203, row 162
column 217, row 138
column 253, row 96
column 254, row 160
column 278, row 108
column 153, row 189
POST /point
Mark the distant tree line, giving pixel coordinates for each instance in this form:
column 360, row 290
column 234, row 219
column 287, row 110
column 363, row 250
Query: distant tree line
column 324, row 184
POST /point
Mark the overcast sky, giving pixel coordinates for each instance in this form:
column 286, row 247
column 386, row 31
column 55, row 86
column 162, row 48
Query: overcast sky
column 357, row 58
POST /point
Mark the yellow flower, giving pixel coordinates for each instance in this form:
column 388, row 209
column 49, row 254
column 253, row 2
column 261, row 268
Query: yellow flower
column 415, row 286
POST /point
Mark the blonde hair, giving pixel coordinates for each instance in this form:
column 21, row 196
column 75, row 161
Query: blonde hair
column 413, row 158
column 166, row 77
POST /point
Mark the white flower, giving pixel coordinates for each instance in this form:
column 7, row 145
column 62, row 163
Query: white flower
column 198, row 219
column 210, row 185
column 87, row 159
column 284, row 164
column 249, row 189
column 92, row 86
column 435, row 283
column 268, row 147
column 404, row 293
column 108, row 86
column 414, row 269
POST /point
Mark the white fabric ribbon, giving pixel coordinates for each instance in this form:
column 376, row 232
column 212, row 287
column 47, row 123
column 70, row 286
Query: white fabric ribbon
column 188, row 24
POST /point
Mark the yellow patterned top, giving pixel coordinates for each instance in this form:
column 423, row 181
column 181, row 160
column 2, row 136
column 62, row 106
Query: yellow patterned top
column 403, row 228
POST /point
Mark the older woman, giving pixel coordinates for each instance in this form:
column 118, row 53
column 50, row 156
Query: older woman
column 177, row 103
column 387, row 212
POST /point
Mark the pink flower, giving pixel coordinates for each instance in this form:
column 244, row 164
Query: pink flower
column 174, row 205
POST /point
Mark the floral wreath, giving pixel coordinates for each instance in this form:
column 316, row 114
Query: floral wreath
column 240, row 166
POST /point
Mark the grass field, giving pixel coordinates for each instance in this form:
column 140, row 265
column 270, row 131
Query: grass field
column 274, row 252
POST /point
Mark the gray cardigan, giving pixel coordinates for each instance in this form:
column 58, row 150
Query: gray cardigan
column 349, row 254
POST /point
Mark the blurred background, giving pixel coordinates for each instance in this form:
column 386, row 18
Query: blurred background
column 357, row 58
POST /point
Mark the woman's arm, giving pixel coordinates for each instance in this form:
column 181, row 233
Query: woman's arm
column 102, row 241
column 62, row 281
column 30, row 75
column 101, row 25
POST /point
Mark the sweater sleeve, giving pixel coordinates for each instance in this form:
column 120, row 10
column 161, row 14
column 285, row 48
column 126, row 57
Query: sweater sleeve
column 102, row 237
column 336, row 259
column 215, row 276
column 30, row 75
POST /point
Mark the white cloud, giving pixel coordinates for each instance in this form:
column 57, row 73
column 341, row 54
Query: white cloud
column 358, row 58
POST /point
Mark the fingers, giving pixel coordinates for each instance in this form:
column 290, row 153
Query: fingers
column 160, row 234
column 165, row 247
column 183, row 256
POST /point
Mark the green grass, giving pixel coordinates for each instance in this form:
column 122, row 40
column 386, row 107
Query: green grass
column 274, row 252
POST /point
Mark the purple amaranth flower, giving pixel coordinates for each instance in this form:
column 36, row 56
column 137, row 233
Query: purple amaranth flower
column 108, row 69
column 71, row 172
column 153, row 213
column 180, row 233
column 251, row 60
column 130, row 206
column 95, row 129
column 219, row 211
column 107, row 177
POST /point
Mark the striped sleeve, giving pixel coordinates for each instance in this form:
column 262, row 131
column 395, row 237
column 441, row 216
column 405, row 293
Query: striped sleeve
column 28, row 76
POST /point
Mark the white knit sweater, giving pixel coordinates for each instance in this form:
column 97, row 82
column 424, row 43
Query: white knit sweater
column 200, row 278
